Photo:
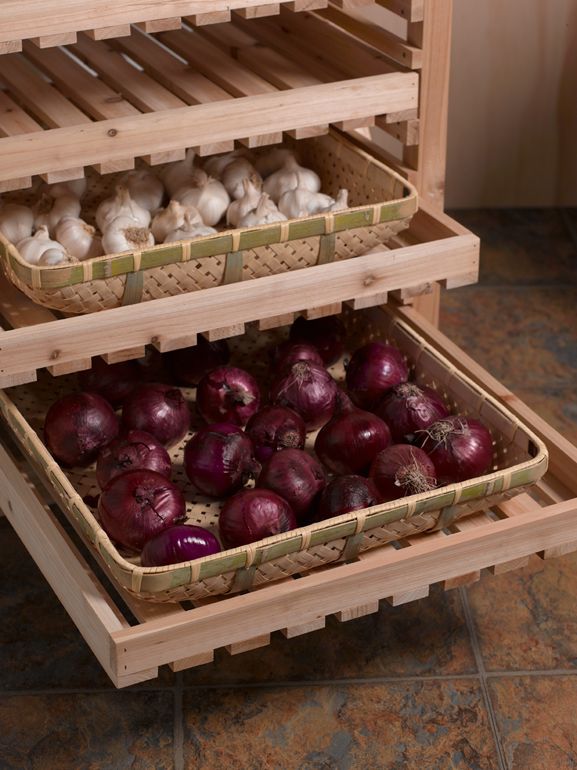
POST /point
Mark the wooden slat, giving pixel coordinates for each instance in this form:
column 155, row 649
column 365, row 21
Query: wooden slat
column 160, row 25
column 517, row 506
column 245, row 645
column 406, row 132
column 61, row 38
column 10, row 46
column 13, row 121
column 298, row 629
column 211, row 17
column 411, row 10
column 105, row 33
column 258, row 11
column 352, row 613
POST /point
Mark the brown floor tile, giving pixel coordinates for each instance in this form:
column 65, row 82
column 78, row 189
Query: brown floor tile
column 399, row 726
column 537, row 719
column 424, row 637
column 104, row 731
column 558, row 406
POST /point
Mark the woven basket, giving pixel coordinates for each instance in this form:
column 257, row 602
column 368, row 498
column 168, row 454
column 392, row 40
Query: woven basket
column 520, row 459
column 383, row 204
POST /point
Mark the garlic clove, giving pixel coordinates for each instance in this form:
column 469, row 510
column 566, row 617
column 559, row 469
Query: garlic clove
column 216, row 165
column 125, row 234
column 49, row 211
column 121, row 204
column 234, row 175
column 177, row 175
column 289, row 177
column 55, row 257
column 301, row 202
column 265, row 213
column 145, row 188
column 75, row 187
column 32, row 248
column 208, row 196
column 16, row 222
column 271, row 161
column 341, row 201
column 78, row 238
column 166, row 220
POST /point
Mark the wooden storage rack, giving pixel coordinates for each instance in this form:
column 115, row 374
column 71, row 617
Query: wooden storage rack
column 130, row 86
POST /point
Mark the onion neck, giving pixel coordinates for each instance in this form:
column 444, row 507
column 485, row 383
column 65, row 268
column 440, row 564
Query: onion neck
column 408, row 390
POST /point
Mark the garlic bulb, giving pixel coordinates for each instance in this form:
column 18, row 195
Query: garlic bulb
column 216, row 165
column 271, row 161
column 207, row 195
column 249, row 201
column 234, row 175
column 16, row 222
column 178, row 175
column 190, row 228
column 166, row 220
column 304, row 203
column 49, row 211
column 78, row 238
column 145, row 188
column 265, row 213
column 289, row 177
column 55, row 257
column 341, row 201
column 124, row 234
column 32, row 248
column 121, row 205
column 76, row 187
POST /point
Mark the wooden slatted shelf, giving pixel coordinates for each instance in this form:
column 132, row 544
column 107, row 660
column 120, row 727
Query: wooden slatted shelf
column 540, row 523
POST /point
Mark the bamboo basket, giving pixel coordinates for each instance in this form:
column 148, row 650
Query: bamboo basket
column 384, row 204
column 520, row 459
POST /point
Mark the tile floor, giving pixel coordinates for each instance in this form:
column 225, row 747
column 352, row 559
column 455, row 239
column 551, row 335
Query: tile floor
column 477, row 679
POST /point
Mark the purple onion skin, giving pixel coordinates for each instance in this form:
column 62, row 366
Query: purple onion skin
column 345, row 494
column 182, row 542
column 461, row 448
column 327, row 334
column 275, row 428
column 219, row 459
column 78, row 426
column 401, row 470
column 135, row 450
column 139, row 505
column 372, row 371
column 157, row 409
column 252, row 515
column 228, row 394
column 114, row 382
column 308, row 389
column 190, row 365
column 409, row 408
column 296, row 476
column 351, row 439
column 289, row 353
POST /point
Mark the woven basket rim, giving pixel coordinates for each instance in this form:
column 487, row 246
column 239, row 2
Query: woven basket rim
column 356, row 521
column 126, row 262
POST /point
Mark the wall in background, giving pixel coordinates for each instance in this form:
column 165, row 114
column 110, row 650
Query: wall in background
column 513, row 104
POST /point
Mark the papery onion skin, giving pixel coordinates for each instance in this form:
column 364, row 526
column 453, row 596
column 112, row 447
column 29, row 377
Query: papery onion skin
column 135, row 450
column 374, row 369
column 252, row 515
column 179, row 543
column 351, row 439
column 274, row 428
column 78, row 426
column 296, row 476
column 190, row 365
column 288, row 353
column 114, row 382
column 139, row 505
column 401, row 470
column 345, row 494
column 308, row 389
column 409, row 408
column 157, row 409
column 327, row 334
column 219, row 459
column 460, row 447
column 228, row 394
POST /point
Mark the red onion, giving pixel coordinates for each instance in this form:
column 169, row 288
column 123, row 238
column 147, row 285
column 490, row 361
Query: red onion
column 289, row 353
column 77, row 426
column 346, row 493
column 114, row 382
column 254, row 514
column 275, row 428
column 461, row 448
column 139, row 505
column 401, row 470
column 182, row 542
column 228, row 394
column 308, row 389
column 157, row 409
column 219, row 459
column 409, row 408
column 295, row 476
column 189, row 365
column 351, row 439
column 327, row 334
column 372, row 371
column 135, row 450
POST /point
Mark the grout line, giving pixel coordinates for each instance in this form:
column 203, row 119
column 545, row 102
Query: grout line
column 178, row 723
column 331, row 682
column 503, row 764
column 532, row 672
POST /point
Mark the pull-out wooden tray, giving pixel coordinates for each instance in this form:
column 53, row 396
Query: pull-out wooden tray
column 503, row 538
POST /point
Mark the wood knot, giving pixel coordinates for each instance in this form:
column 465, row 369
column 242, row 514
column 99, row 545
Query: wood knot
column 54, row 355
column 369, row 280
column 112, row 132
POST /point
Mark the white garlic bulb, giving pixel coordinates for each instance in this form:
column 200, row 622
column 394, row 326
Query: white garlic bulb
column 121, row 205
column 76, row 187
column 166, row 220
column 179, row 174
column 234, row 175
column 289, row 177
column 341, row 201
column 207, row 195
column 192, row 227
column 216, row 165
column 55, row 257
column 125, row 234
column 304, row 203
column 32, row 248
column 145, row 188
column 49, row 211
column 16, row 222
column 78, row 238
column 249, row 201
column 271, row 161
column 265, row 213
